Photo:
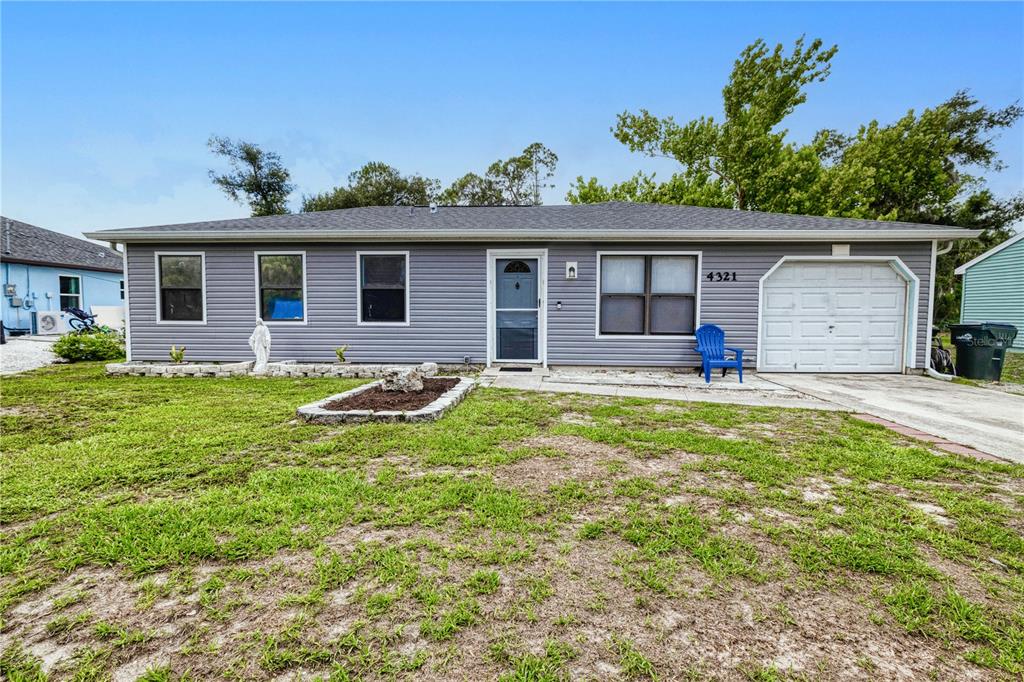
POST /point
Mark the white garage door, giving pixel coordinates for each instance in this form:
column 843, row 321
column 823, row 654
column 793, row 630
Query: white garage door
column 833, row 317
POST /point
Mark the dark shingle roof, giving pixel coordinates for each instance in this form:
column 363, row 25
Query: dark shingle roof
column 24, row 243
column 523, row 222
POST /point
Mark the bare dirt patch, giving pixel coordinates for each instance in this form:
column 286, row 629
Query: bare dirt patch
column 584, row 460
column 378, row 399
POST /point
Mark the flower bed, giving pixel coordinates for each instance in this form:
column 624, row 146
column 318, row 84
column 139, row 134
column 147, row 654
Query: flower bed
column 357, row 404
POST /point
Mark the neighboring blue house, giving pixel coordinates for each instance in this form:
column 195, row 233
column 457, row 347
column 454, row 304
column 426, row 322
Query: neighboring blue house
column 44, row 270
column 993, row 287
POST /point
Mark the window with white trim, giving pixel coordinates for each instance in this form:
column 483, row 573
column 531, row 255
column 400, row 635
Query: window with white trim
column 648, row 294
column 281, row 277
column 383, row 288
column 70, row 291
column 180, row 277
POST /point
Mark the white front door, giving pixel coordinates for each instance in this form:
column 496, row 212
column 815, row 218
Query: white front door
column 833, row 317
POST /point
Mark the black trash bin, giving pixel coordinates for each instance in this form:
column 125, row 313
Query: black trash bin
column 981, row 348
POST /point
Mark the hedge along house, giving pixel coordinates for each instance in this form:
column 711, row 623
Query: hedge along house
column 993, row 287
column 44, row 270
column 601, row 284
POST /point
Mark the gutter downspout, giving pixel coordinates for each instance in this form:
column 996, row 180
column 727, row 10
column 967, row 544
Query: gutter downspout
column 929, row 370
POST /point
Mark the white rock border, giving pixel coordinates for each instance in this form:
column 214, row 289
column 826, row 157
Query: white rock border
column 284, row 368
column 315, row 413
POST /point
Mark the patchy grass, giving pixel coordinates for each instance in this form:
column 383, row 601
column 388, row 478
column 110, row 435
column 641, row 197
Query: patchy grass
column 178, row 529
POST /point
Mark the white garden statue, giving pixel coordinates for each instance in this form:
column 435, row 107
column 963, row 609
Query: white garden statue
column 260, row 344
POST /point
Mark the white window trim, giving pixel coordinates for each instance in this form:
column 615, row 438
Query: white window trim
column 81, row 292
column 542, row 293
column 127, row 309
column 156, row 281
column 698, row 274
column 256, row 270
column 359, row 289
column 912, row 303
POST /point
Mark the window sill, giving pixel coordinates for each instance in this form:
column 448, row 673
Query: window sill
column 676, row 337
column 360, row 323
column 179, row 323
column 285, row 323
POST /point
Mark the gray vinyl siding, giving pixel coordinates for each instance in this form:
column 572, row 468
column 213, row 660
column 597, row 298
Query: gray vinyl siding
column 448, row 304
column 730, row 305
column 447, row 288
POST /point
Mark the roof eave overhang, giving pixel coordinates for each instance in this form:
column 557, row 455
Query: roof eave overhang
column 51, row 264
column 128, row 236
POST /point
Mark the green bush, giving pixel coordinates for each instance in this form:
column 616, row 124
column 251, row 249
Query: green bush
column 103, row 344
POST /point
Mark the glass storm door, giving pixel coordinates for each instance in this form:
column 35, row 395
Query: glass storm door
column 516, row 310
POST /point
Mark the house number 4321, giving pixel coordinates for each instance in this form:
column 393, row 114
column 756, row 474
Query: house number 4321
column 720, row 276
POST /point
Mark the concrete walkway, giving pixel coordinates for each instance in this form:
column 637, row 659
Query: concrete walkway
column 656, row 384
column 977, row 417
column 23, row 353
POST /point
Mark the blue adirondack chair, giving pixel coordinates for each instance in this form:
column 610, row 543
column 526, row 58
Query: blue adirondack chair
column 711, row 346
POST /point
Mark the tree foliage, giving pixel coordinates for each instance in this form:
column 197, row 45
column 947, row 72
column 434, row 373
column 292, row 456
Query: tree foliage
column 257, row 177
column 516, row 181
column 920, row 168
column 376, row 184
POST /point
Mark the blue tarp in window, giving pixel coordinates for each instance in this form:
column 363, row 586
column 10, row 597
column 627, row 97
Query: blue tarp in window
column 286, row 309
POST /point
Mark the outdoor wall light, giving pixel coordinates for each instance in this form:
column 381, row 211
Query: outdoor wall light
column 570, row 269
column 558, row 305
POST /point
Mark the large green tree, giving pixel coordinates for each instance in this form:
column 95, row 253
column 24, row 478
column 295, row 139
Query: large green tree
column 921, row 168
column 257, row 177
column 516, row 181
column 745, row 156
column 376, row 184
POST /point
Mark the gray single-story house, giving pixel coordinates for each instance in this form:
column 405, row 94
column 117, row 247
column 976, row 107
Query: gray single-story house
column 601, row 284
column 993, row 287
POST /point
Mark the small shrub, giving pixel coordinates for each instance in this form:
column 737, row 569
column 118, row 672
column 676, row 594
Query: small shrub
column 100, row 344
column 340, row 352
column 177, row 355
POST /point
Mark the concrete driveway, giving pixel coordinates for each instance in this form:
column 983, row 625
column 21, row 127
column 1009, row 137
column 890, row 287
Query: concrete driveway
column 981, row 418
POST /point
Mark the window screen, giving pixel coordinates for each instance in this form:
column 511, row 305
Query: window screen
column 383, row 287
column 281, row 282
column 70, row 292
column 181, row 288
column 648, row 294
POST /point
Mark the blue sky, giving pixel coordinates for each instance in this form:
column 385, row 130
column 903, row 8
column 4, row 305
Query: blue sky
column 107, row 107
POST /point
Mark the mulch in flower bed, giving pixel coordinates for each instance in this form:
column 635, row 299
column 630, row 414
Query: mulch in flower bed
column 377, row 400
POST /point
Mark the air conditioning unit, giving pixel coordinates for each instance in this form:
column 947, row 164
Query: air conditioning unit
column 49, row 322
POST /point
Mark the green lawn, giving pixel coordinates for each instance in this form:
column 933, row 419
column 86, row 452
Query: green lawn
column 165, row 529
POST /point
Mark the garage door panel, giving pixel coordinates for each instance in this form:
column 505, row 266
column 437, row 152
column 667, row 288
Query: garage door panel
column 884, row 302
column 851, row 302
column 813, row 301
column 778, row 329
column 812, row 357
column 846, row 332
column 885, row 329
column 833, row 317
column 780, row 300
column 816, row 330
column 851, row 273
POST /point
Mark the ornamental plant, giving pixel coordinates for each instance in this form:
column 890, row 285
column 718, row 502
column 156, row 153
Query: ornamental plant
column 98, row 344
